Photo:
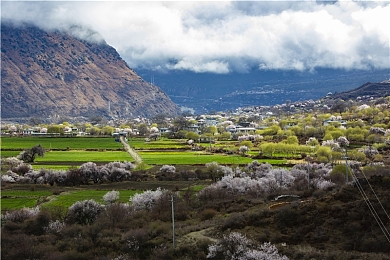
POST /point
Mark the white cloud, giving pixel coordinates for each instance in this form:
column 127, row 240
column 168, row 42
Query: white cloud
column 223, row 36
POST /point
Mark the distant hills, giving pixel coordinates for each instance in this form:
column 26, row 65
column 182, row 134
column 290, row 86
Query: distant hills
column 223, row 92
column 53, row 74
column 374, row 90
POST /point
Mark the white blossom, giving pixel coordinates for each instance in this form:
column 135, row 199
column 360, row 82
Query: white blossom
column 111, row 196
column 54, row 226
column 236, row 246
column 147, row 199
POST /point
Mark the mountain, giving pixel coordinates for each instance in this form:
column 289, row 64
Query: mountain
column 52, row 73
column 222, row 92
column 374, row 90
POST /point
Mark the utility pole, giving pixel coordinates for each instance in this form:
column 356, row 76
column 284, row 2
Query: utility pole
column 173, row 222
column 308, row 172
column 346, row 166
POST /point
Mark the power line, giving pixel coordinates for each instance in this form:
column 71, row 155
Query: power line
column 371, row 208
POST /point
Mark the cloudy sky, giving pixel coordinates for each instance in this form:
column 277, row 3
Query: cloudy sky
column 221, row 36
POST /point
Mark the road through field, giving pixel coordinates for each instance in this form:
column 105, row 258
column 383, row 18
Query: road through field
column 131, row 151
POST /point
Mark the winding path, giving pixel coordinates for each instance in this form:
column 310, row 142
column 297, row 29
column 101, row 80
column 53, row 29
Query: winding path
column 131, row 151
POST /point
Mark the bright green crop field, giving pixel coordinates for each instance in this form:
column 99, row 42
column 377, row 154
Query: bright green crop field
column 83, row 156
column 17, row 196
column 66, row 199
column 175, row 158
column 167, row 144
column 60, row 142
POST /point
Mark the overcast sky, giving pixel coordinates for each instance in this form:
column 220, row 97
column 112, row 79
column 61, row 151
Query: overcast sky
column 221, row 37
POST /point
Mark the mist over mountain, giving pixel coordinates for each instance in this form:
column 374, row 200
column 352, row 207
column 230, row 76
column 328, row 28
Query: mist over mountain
column 220, row 92
column 53, row 73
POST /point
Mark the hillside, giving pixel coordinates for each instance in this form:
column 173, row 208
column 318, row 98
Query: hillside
column 374, row 90
column 222, row 92
column 52, row 74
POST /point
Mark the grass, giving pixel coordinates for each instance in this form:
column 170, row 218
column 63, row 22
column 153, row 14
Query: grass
column 140, row 144
column 67, row 199
column 83, row 156
column 190, row 158
column 17, row 196
column 55, row 167
column 19, row 199
column 10, row 153
column 18, row 203
column 60, row 142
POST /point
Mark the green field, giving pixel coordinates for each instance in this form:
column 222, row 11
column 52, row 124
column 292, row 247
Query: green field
column 191, row 158
column 163, row 144
column 66, row 199
column 75, row 151
column 17, row 196
column 10, row 153
column 83, row 156
column 60, row 142
column 17, row 199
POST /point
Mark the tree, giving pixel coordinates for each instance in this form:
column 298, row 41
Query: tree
column 142, row 129
column 55, row 129
column 29, row 155
column 147, row 200
column 179, row 123
column 192, row 135
column 324, row 154
column 211, row 129
column 84, row 212
column 247, row 143
column 160, row 120
column 225, row 136
column 292, row 140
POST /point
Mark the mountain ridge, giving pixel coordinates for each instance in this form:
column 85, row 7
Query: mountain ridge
column 375, row 90
column 222, row 92
column 52, row 73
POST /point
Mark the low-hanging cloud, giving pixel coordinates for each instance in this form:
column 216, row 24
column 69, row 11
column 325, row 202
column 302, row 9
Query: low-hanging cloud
column 221, row 37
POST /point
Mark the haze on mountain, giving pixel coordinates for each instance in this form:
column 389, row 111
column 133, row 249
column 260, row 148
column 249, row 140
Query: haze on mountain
column 196, row 48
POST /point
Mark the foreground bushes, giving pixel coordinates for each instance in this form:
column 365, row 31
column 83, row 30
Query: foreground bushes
column 88, row 172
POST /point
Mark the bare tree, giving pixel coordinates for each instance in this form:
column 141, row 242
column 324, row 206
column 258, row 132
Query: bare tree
column 29, row 155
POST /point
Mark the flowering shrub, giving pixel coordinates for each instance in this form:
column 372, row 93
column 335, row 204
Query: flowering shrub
column 84, row 212
column 54, row 226
column 21, row 214
column 238, row 247
column 332, row 144
column 168, row 169
column 243, row 149
column 250, row 138
column 343, row 141
column 111, row 196
column 363, row 107
column 7, row 178
column 312, row 141
column 369, row 151
column 147, row 200
column 263, row 178
column 377, row 130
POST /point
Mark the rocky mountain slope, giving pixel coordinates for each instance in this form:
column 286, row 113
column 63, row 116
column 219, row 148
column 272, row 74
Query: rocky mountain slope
column 51, row 74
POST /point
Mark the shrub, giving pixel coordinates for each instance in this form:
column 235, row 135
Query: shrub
column 84, row 212
column 21, row 214
column 55, row 226
column 111, row 196
column 237, row 246
column 207, row 214
column 337, row 175
column 147, row 200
